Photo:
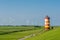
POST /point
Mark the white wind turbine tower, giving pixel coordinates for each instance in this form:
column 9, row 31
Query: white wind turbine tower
column 27, row 22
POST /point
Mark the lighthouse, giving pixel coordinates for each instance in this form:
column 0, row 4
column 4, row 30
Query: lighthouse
column 47, row 23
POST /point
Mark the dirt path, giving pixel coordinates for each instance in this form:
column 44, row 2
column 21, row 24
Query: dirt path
column 31, row 35
column 28, row 36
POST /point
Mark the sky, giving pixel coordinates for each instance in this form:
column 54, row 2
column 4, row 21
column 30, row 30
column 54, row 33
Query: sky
column 29, row 12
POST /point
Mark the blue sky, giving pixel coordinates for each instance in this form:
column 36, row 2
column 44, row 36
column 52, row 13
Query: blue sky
column 29, row 12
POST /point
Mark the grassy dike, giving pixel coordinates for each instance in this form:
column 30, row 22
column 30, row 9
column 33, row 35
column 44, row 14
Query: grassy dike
column 49, row 35
column 17, row 35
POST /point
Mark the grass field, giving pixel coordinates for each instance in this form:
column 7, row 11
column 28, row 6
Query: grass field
column 49, row 35
column 16, row 32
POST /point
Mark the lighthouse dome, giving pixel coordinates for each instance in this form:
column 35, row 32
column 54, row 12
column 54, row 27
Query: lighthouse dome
column 47, row 17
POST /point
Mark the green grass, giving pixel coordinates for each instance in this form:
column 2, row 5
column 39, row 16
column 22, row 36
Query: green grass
column 16, row 35
column 6, row 30
column 49, row 35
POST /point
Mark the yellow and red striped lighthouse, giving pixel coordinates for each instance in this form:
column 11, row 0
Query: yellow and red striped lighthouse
column 47, row 23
